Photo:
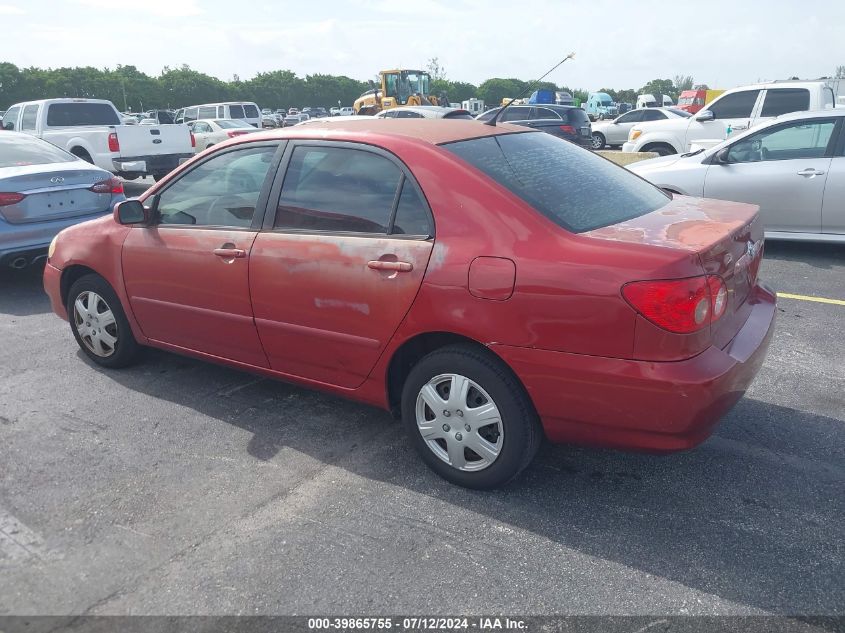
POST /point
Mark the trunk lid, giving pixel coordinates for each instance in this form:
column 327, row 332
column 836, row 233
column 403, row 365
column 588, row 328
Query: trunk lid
column 727, row 238
column 53, row 192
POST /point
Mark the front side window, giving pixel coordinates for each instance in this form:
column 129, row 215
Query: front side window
column 634, row 116
column 737, row 105
column 222, row 191
column 653, row 115
column 544, row 113
column 801, row 139
column 337, row 189
column 784, row 100
column 560, row 180
column 516, row 113
column 10, row 119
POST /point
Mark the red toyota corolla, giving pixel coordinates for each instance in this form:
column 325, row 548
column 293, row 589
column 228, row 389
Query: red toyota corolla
column 488, row 284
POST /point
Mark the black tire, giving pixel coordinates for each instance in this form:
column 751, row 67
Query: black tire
column 126, row 348
column 521, row 434
column 81, row 153
column 598, row 141
column 661, row 149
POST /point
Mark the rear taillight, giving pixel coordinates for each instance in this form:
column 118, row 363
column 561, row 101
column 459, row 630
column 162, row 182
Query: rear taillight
column 682, row 306
column 10, row 198
column 193, row 140
column 114, row 144
column 112, row 185
column 234, row 133
column 568, row 129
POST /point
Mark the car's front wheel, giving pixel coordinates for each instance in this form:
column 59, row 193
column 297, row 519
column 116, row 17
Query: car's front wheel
column 469, row 418
column 598, row 140
column 99, row 323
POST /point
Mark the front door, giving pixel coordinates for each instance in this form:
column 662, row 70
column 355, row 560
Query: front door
column 783, row 169
column 730, row 112
column 187, row 277
column 339, row 262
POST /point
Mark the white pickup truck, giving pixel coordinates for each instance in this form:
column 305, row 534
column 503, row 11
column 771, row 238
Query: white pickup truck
column 92, row 129
column 733, row 111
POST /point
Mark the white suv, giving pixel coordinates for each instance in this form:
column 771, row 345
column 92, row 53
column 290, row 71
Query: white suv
column 733, row 111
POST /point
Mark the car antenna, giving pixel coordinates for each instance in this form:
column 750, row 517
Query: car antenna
column 530, row 86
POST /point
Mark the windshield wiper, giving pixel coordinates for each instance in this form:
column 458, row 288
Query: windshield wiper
column 688, row 154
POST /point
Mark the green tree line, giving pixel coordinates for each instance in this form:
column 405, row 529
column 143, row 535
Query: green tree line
column 131, row 89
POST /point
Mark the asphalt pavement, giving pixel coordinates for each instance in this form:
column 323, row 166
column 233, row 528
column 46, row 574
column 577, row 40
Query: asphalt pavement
column 180, row 487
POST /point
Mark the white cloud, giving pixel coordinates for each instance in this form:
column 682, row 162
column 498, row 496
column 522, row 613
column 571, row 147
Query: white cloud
column 10, row 9
column 157, row 8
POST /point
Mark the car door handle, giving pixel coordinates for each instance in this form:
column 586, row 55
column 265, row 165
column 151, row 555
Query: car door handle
column 401, row 267
column 230, row 253
column 810, row 172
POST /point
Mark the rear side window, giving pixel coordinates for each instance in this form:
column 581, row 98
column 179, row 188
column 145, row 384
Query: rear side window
column 337, row 189
column 412, row 212
column 735, row 106
column 544, row 113
column 653, row 115
column 21, row 150
column 30, row 117
column 237, row 112
column 572, row 187
column 77, row 114
column 208, row 112
column 783, row 100
column 516, row 113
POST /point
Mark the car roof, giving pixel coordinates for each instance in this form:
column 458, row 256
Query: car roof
column 371, row 129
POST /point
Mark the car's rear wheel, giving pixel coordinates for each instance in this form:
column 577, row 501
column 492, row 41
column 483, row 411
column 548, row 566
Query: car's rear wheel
column 99, row 323
column 469, row 418
column 598, row 140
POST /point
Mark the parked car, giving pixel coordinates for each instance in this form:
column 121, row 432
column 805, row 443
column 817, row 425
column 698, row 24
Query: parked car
column 92, row 130
column 290, row 120
column 625, row 107
column 734, row 111
column 334, row 111
column 293, row 111
column 424, row 112
column 615, row 133
column 44, row 189
column 208, row 132
column 268, row 121
column 567, row 122
column 511, row 299
column 792, row 167
column 346, row 111
column 651, row 101
column 241, row 110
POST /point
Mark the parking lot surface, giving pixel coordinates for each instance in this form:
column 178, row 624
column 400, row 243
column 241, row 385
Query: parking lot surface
column 180, row 487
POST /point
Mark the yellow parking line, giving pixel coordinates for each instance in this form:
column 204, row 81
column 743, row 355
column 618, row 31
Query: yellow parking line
column 836, row 302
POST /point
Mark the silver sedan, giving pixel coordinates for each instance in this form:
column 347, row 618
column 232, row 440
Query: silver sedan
column 44, row 189
column 793, row 167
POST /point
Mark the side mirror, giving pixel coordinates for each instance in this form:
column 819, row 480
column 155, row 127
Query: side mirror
column 722, row 156
column 132, row 211
column 705, row 115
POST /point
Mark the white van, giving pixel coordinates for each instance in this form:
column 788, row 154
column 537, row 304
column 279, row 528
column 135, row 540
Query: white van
column 650, row 101
column 239, row 110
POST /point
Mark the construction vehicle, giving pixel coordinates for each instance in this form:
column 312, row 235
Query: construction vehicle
column 401, row 87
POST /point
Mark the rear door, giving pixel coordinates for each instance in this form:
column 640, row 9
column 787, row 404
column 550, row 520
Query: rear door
column 344, row 248
column 833, row 205
column 783, row 169
column 187, row 276
column 729, row 111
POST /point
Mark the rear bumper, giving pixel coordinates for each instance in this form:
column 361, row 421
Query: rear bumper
column 32, row 239
column 160, row 164
column 638, row 405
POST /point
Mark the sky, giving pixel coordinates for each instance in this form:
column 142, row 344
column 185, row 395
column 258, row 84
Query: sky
column 618, row 43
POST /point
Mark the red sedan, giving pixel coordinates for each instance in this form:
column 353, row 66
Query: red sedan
column 487, row 284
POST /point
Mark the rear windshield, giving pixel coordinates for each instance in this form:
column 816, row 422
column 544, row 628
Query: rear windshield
column 19, row 151
column 577, row 116
column 72, row 114
column 251, row 111
column 574, row 188
column 237, row 112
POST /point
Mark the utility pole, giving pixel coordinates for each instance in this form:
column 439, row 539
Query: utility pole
column 123, row 87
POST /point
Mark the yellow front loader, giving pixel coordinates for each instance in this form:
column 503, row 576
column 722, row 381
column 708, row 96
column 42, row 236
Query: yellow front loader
column 398, row 88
